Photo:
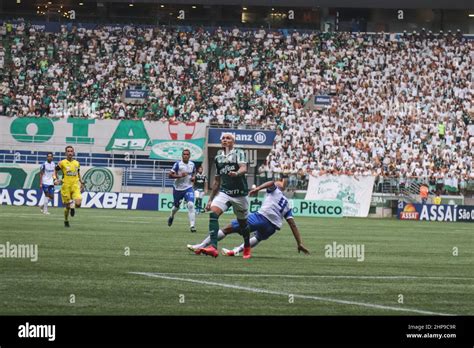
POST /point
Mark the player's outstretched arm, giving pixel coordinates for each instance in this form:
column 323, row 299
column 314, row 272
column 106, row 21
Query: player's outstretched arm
column 214, row 191
column 265, row 185
column 297, row 235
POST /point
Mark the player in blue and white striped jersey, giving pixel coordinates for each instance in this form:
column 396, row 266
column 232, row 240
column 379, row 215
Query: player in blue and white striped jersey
column 47, row 177
column 264, row 223
column 183, row 171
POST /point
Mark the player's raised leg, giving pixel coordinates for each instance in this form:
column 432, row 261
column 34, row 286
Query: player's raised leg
column 221, row 234
column 76, row 199
column 213, row 233
column 217, row 206
column 237, row 250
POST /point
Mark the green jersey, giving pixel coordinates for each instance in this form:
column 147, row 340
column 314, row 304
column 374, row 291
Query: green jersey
column 199, row 181
column 234, row 186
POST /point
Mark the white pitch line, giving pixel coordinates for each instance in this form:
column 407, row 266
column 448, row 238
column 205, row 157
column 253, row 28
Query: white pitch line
column 314, row 276
column 280, row 293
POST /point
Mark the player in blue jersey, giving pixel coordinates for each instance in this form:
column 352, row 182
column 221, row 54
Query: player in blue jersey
column 264, row 223
column 183, row 172
column 48, row 176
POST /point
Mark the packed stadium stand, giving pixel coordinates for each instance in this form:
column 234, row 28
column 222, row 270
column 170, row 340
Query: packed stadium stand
column 401, row 104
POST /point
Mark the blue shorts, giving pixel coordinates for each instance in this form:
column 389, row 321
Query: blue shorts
column 48, row 189
column 258, row 223
column 178, row 196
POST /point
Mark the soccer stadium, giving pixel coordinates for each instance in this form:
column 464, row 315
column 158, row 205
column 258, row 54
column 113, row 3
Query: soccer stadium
column 232, row 157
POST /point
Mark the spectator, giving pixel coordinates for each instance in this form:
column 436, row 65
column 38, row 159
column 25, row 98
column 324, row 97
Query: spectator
column 424, row 193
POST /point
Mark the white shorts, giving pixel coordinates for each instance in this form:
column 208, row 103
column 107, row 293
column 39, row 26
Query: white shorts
column 239, row 204
column 199, row 194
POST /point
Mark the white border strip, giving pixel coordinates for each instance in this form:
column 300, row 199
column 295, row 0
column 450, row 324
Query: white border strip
column 271, row 292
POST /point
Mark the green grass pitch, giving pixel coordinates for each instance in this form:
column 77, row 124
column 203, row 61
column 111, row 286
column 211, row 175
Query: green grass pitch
column 412, row 259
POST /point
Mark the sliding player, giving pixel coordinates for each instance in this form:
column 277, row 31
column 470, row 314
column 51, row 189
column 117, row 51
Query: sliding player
column 47, row 178
column 72, row 184
column 265, row 222
column 229, row 189
column 183, row 171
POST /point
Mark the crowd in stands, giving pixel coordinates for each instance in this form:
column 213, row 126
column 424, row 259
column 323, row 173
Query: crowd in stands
column 401, row 105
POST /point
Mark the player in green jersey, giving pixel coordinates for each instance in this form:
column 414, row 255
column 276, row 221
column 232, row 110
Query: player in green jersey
column 200, row 188
column 229, row 189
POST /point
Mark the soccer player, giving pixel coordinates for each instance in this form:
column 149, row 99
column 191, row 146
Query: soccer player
column 72, row 184
column 200, row 188
column 229, row 189
column 265, row 222
column 183, row 171
column 47, row 178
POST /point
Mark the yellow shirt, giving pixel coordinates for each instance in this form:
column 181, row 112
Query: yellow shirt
column 70, row 171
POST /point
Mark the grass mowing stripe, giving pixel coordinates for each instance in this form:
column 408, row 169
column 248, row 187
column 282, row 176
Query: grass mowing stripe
column 271, row 292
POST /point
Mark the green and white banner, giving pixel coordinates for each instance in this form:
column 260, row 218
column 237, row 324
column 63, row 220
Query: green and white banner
column 171, row 150
column 98, row 136
column 300, row 207
column 354, row 192
column 26, row 176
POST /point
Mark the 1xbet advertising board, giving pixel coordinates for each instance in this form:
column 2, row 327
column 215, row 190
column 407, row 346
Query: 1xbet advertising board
column 101, row 200
column 433, row 212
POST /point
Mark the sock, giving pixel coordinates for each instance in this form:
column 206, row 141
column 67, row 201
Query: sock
column 253, row 243
column 246, row 235
column 220, row 235
column 191, row 214
column 71, row 204
column 45, row 205
column 213, row 228
column 198, row 205
column 174, row 210
column 66, row 214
